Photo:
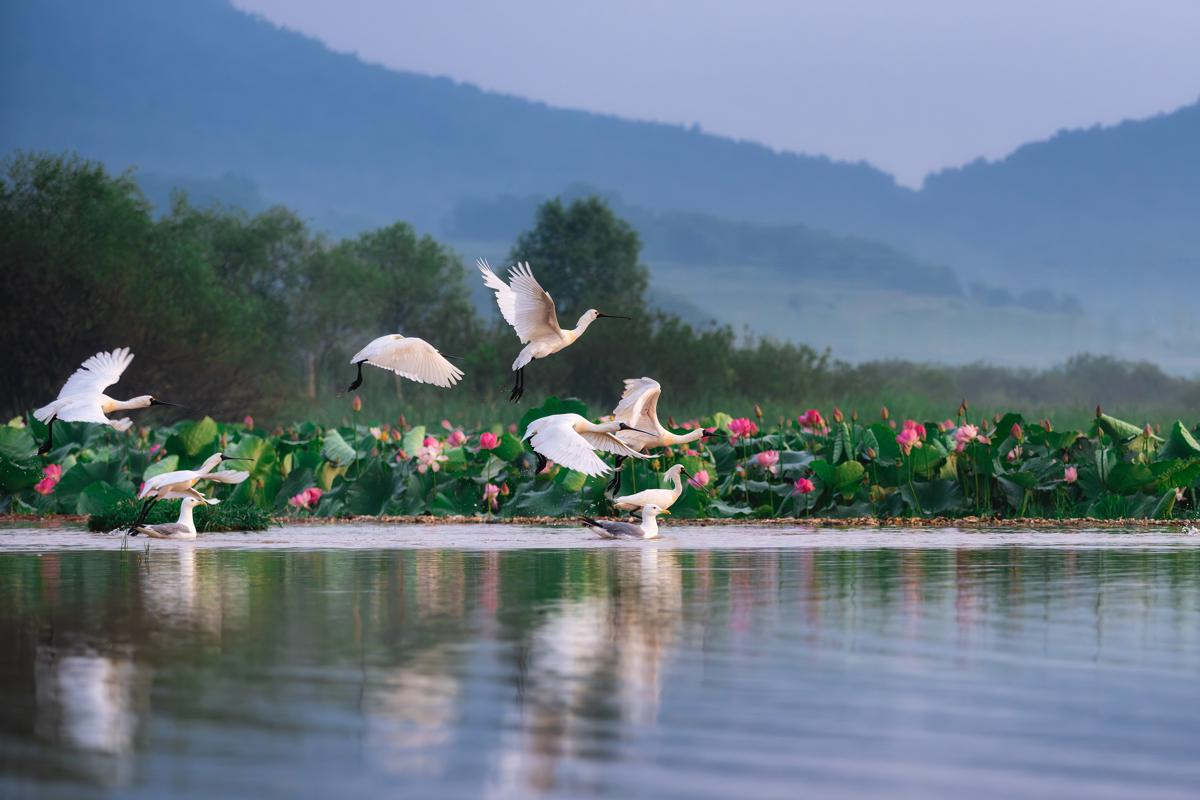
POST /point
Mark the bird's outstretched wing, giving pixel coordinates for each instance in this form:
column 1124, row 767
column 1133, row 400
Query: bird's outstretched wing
column 609, row 443
column 505, row 298
column 558, row 441
column 412, row 358
column 83, row 409
column 97, row 373
column 162, row 480
column 227, row 476
column 167, row 530
column 638, row 407
column 533, row 308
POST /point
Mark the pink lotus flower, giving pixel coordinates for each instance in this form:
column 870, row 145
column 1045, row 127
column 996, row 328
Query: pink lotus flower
column 356, row 404
column 913, row 425
column 430, row 441
column 306, row 499
column 1016, row 432
column 490, row 493
column 687, row 451
column 1013, row 454
column 1070, row 474
column 446, row 424
column 154, row 448
column 811, row 419
column 699, row 479
column 248, row 422
column 430, row 458
column 52, row 474
column 908, row 438
column 456, row 438
column 742, row 427
column 964, row 436
column 803, row 486
column 488, row 440
column 512, row 428
column 767, row 459
column 946, row 425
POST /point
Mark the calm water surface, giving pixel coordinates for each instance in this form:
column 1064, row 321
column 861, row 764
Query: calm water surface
column 523, row 663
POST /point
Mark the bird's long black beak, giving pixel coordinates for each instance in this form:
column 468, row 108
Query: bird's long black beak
column 154, row 401
column 685, row 472
column 625, row 427
column 611, row 316
column 235, row 458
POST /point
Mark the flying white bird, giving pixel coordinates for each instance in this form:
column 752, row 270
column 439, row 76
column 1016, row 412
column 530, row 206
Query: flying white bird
column 569, row 439
column 82, row 397
column 529, row 309
column 663, row 498
column 408, row 357
column 617, row 530
column 182, row 483
column 638, row 408
column 183, row 528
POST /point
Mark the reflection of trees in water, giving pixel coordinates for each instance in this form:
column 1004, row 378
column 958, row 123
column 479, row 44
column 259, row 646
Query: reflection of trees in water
column 568, row 646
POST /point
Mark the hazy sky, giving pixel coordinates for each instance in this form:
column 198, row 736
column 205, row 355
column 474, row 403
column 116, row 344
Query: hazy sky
column 909, row 86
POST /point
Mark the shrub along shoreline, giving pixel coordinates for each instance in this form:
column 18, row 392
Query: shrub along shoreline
column 811, row 469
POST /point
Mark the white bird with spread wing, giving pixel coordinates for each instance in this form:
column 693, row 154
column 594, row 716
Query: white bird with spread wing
column 182, row 483
column 408, row 357
column 570, row 440
column 82, row 397
column 638, row 409
column 529, row 309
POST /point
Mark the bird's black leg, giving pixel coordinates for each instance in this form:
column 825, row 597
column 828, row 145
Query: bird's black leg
column 519, row 388
column 141, row 517
column 45, row 448
column 614, row 485
column 357, row 381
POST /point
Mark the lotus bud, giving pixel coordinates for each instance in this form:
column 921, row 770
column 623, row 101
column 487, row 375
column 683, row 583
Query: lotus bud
column 871, row 452
column 402, row 423
column 963, row 405
column 1098, row 411
column 883, row 413
column 224, row 441
column 854, row 415
column 1016, row 432
column 1147, row 431
column 1046, row 425
column 504, row 490
column 1158, row 427
column 758, row 411
column 356, row 404
column 996, row 418
column 838, row 416
column 248, row 422
column 671, row 422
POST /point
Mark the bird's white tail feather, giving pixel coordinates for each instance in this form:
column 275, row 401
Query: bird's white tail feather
column 228, row 476
column 523, row 358
column 47, row 411
column 123, row 424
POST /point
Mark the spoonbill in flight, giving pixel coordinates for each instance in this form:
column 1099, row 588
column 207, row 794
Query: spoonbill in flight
column 82, row 397
column 408, row 357
column 182, row 483
column 663, row 498
column 529, row 309
column 638, row 408
column 627, row 530
column 570, row 440
column 183, row 528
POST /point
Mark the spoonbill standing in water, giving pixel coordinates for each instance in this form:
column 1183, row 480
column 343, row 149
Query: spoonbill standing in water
column 618, row 530
column 638, row 409
column 182, row 483
column 570, row 440
column 663, row 498
column 408, row 357
column 529, row 309
column 183, row 528
column 82, row 397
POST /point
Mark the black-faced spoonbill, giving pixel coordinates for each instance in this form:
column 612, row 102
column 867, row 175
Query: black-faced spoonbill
column 570, row 440
column 408, row 357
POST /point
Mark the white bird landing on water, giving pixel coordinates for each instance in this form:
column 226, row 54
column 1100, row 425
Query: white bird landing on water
column 627, row 530
column 663, row 498
column 529, row 309
column 183, row 528
column 82, row 397
column 570, row 440
column 182, row 484
column 638, row 409
column 408, row 357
